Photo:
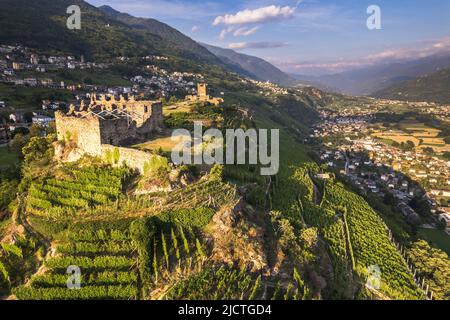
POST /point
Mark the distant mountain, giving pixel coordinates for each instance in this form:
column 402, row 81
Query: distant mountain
column 105, row 33
column 253, row 67
column 310, row 81
column 431, row 88
column 367, row 81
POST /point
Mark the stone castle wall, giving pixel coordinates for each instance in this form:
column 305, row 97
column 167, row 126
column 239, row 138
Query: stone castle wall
column 85, row 132
column 133, row 158
column 107, row 125
column 117, row 131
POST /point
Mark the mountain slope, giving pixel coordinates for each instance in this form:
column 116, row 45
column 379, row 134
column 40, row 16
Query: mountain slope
column 372, row 79
column 256, row 68
column 432, row 88
column 41, row 24
column 191, row 49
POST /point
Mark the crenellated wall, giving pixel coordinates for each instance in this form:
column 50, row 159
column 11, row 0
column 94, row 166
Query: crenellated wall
column 105, row 126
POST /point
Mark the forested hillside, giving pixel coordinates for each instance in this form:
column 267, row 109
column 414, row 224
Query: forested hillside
column 429, row 88
column 102, row 36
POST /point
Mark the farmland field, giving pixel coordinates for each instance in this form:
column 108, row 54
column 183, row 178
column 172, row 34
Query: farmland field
column 398, row 137
column 419, row 133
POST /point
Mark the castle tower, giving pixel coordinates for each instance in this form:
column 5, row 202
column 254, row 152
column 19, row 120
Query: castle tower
column 202, row 89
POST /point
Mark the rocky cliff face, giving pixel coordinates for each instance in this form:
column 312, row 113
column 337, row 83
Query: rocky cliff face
column 238, row 236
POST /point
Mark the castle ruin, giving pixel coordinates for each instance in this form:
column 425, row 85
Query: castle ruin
column 107, row 122
column 202, row 95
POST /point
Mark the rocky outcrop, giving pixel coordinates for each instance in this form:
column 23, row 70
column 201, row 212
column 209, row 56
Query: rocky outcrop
column 238, row 236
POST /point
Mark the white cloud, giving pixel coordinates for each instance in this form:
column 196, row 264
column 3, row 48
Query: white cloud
column 256, row 45
column 245, row 31
column 401, row 54
column 225, row 31
column 260, row 15
column 195, row 29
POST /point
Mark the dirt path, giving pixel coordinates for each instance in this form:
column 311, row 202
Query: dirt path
column 21, row 218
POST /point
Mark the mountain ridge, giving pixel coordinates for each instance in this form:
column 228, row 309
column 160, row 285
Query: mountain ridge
column 256, row 68
column 160, row 29
column 427, row 88
column 102, row 37
column 370, row 80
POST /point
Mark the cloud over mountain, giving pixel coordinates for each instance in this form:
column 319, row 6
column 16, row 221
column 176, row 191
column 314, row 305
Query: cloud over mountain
column 257, row 45
column 245, row 31
column 260, row 15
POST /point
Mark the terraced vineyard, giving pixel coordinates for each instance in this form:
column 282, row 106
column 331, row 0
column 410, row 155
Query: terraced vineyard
column 356, row 237
column 107, row 261
column 225, row 283
column 86, row 189
column 368, row 242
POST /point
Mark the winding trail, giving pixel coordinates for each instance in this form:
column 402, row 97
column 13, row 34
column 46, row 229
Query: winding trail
column 20, row 218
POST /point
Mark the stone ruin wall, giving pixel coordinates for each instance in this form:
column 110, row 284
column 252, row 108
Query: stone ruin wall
column 85, row 132
column 154, row 123
column 116, row 132
column 93, row 137
column 98, row 137
column 133, row 158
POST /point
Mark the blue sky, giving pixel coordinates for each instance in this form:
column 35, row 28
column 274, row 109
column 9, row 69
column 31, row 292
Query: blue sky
column 309, row 36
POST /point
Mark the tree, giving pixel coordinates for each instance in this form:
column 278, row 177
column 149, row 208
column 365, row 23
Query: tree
column 173, row 100
column 447, row 155
column 420, row 205
column 88, row 80
column 38, row 149
column 22, row 130
column 28, row 116
column 434, row 265
column 18, row 142
column 389, row 198
column 36, row 130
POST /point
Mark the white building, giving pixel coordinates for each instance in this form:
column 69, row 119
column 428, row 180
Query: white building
column 42, row 120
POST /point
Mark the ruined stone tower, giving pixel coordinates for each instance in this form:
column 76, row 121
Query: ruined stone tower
column 202, row 90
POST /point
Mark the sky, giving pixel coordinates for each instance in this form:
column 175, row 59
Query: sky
column 310, row 37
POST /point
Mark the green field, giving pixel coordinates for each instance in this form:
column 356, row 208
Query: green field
column 7, row 157
column 30, row 98
column 437, row 238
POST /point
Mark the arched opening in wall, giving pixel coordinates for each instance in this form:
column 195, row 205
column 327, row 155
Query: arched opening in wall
column 145, row 109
